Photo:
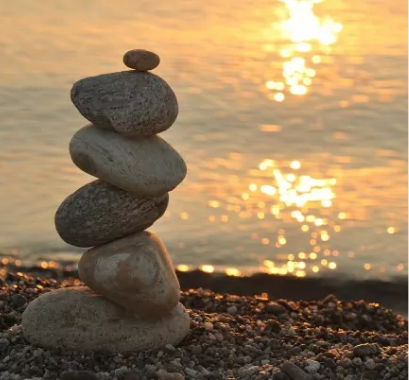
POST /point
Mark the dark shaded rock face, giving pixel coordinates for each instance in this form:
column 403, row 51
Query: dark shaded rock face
column 99, row 213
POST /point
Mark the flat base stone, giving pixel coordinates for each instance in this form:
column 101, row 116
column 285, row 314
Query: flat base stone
column 81, row 320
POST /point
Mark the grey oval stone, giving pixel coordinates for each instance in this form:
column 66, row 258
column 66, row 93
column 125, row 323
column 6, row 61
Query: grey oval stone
column 129, row 102
column 141, row 60
column 79, row 319
column 366, row 349
column 147, row 167
column 135, row 272
column 99, row 212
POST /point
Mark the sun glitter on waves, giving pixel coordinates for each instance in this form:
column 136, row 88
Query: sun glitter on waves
column 303, row 29
column 294, row 195
column 294, row 190
column 290, row 215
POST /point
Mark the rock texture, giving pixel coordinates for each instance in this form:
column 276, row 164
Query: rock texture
column 145, row 167
column 79, row 319
column 99, row 212
column 135, row 272
column 129, row 102
column 141, row 60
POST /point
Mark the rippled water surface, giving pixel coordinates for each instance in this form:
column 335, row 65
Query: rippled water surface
column 293, row 123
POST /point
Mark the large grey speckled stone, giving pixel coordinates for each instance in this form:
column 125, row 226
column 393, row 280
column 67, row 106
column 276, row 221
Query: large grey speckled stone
column 98, row 213
column 135, row 272
column 81, row 320
column 148, row 167
column 131, row 103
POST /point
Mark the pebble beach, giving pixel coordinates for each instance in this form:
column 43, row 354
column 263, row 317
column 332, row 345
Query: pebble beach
column 277, row 200
column 231, row 337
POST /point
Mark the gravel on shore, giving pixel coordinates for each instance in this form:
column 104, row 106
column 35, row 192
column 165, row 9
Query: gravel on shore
column 231, row 337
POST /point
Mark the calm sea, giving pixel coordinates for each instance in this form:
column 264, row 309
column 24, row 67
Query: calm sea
column 293, row 124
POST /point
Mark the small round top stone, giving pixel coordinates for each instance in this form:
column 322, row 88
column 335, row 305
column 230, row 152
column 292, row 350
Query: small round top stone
column 141, row 60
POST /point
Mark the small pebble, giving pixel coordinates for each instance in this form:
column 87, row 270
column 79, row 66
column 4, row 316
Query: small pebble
column 132, row 375
column 191, row 372
column 294, row 372
column 4, row 343
column 370, row 364
column 357, row 361
column 212, row 337
column 79, row 375
column 121, row 371
column 170, row 348
column 312, row 366
column 18, row 300
column 275, row 308
column 196, row 350
column 366, row 349
column 164, row 375
column 141, row 60
column 330, row 298
column 232, row 310
column 280, row 376
column 204, row 371
column 371, row 375
column 252, row 370
column 208, row 326
column 346, row 362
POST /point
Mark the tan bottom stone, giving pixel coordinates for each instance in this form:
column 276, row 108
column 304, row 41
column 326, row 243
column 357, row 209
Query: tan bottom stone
column 81, row 320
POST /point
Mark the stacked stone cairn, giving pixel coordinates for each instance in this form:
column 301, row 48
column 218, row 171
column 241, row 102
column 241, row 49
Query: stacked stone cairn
column 131, row 301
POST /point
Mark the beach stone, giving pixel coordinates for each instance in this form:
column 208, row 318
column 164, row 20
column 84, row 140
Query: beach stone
column 312, row 366
column 164, row 375
column 294, row 372
column 18, row 300
column 136, row 104
column 78, row 319
column 99, row 212
column 145, row 167
column 275, row 308
column 141, row 60
column 135, row 272
column 366, row 349
column 78, row 375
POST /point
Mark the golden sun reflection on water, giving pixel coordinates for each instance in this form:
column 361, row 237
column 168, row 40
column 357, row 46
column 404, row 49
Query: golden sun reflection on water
column 308, row 37
column 293, row 195
column 278, row 196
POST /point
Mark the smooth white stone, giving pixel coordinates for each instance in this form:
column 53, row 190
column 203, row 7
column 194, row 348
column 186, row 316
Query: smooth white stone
column 146, row 167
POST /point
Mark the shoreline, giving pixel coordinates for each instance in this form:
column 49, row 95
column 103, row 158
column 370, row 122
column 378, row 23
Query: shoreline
column 230, row 337
column 391, row 293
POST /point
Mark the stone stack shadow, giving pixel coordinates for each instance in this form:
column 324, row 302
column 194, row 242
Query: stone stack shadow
column 131, row 301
